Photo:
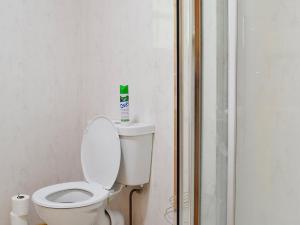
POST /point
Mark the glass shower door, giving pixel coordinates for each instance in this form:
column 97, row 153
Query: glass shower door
column 268, row 113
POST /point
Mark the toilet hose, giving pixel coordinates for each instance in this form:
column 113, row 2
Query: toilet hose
column 130, row 203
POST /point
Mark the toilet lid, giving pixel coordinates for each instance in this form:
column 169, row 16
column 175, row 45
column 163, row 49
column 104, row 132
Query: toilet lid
column 101, row 152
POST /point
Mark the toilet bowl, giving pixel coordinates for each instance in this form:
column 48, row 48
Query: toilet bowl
column 83, row 203
column 70, row 203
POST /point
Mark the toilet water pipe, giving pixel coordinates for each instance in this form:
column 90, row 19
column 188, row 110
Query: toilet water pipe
column 137, row 190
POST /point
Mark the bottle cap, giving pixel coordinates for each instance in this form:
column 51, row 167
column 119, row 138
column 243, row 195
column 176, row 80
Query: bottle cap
column 123, row 89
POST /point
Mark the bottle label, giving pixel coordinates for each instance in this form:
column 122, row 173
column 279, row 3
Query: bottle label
column 124, row 107
column 124, row 98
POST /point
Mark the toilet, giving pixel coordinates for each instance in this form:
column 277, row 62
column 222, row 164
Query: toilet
column 113, row 155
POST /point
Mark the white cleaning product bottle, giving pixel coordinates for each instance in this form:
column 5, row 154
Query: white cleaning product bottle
column 124, row 103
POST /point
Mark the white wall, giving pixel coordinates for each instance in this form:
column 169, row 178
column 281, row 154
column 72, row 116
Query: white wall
column 39, row 94
column 268, row 154
column 132, row 42
column 61, row 63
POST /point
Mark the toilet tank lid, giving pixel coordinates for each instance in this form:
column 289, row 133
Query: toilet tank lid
column 134, row 129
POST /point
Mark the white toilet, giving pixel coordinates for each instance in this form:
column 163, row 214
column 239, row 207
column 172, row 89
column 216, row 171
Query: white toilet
column 111, row 154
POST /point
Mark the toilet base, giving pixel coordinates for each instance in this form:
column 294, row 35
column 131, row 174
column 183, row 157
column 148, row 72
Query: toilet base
column 103, row 218
column 115, row 217
column 88, row 215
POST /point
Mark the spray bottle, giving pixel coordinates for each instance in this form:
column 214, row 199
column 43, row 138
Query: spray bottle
column 124, row 103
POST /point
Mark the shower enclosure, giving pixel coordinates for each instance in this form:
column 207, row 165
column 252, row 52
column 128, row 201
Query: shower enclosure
column 250, row 113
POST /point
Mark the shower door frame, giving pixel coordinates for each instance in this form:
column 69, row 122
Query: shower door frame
column 232, row 77
column 232, row 107
column 232, row 12
column 232, row 81
column 198, row 109
column 187, row 45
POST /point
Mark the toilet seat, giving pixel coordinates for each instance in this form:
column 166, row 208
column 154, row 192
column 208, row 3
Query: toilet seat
column 97, row 194
column 101, row 152
column 100, row 161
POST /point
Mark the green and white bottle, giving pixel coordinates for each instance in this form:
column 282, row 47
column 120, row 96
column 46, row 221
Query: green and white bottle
column 124, row 103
